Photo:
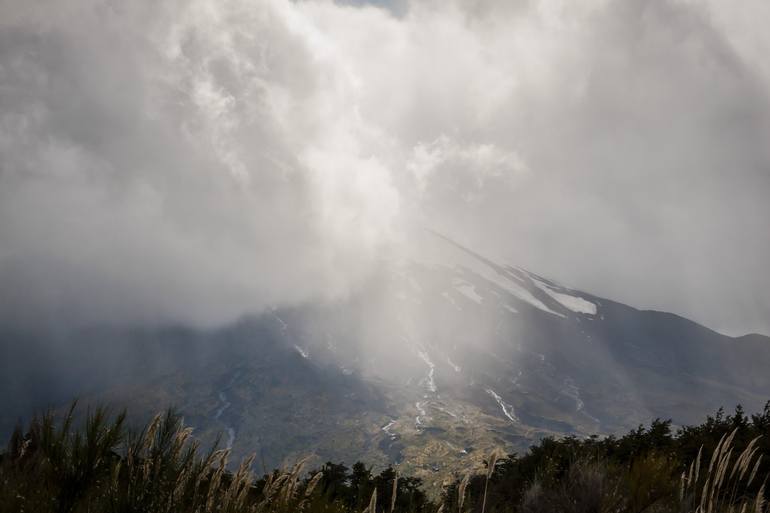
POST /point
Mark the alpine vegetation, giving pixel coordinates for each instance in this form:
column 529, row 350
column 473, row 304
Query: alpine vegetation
column 74, row 465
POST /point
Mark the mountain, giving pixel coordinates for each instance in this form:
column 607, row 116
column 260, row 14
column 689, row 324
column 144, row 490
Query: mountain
column 440, row 357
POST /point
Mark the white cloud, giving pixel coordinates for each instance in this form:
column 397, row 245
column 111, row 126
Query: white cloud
column 465, row 170
column 198, row 160
column 191, row 163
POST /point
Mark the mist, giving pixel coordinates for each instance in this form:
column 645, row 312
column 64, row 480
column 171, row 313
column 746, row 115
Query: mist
column 194, row 162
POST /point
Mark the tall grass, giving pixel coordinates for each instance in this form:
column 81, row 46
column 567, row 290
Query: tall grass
column 53, row 467
column 726, row 486
column 491, row 462
column 98, row 465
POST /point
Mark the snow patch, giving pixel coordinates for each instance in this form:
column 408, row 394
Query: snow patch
column 281, row 322
column 224, row 405
column 572, row 391
column 422, row 413
column 444, row 410
column 463, row 259
column 387, row 429
column 573, row 303
column 302, row 352
column 430, row 382
column 230, row 438
column 467, row 290
column 507, row 408
column 508, row 281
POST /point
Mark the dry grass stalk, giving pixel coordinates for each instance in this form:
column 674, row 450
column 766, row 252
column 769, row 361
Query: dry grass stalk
column 493, row 456
column 394, row 492
column 461, row 492
column 372, row 507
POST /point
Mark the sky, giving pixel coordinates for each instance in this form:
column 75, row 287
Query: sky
column 194, row 161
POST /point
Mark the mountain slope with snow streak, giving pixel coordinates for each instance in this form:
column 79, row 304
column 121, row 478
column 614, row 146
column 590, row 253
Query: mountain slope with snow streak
column 442, row 357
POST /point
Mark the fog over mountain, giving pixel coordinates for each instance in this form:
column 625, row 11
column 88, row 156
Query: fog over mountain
column 437, row 359
column 193, row 162
column 401, row 232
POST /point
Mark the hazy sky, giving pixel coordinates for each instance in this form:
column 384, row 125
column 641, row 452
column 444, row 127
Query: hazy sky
column 195, row 160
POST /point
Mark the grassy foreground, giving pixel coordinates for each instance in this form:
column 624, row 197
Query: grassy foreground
column 101, row 466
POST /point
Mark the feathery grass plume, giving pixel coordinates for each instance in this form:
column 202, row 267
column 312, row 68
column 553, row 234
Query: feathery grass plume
column 309, row 489
column 461, row 492
column 235, row 494
column 216, row 479
column 394, row 492
column 741, row 467
column 493, row 456
column 313, row 483
column 372, row 507
column 697, row 464
column 747, row 454
column 270, row 489
column 756, row 468
column 692, row 476
column 759, row 501
column 289, row 488
column 725, row 485
column 706, row 495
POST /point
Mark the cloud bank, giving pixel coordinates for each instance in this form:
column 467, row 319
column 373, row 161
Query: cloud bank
column 195, row 161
